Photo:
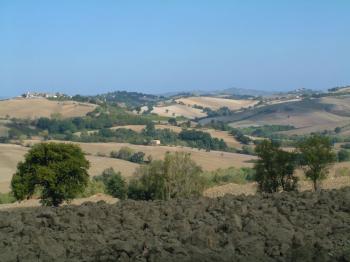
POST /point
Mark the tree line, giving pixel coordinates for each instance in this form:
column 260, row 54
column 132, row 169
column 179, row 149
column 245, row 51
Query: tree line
column 60, row 172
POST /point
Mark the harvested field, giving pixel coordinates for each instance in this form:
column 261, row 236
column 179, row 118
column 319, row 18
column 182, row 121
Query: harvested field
column 207, row 160
column 178, row 110
column 10, row 155
column 216, row 103
column 40, row 107
column 279, row 227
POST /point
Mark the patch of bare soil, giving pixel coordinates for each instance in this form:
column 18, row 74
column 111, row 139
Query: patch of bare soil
column 279, row 227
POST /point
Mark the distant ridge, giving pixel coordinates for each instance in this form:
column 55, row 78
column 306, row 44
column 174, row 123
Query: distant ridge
column 229, row 91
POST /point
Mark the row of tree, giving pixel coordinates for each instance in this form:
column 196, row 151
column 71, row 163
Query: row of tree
column 275, row 168
column 60, row 172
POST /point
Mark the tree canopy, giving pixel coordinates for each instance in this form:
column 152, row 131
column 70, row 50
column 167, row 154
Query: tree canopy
column 58, row 171
column 316, row 156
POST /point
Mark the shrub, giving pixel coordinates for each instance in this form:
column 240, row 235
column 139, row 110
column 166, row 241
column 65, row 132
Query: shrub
column 229, row 175
column 175, row 176
column 343, row 155
column 124, row 153
column 93, row 187
column 138, row 157
column 114, row 183
column 59, row 170
column 7, row 198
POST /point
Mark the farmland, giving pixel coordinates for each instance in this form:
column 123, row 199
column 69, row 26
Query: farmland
column 40, row 107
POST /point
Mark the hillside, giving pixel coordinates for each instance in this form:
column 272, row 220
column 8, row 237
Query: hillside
column 41, row 107
column 306, row 115
column 275, row 227
column 209, row 161
column 216, row 102
column 178, row 110
column 10, row 155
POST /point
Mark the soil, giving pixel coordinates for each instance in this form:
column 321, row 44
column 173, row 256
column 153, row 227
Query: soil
column 302, row 226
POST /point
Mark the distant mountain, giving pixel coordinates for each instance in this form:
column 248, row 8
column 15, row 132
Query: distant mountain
column 244, row 92
column 229, row 91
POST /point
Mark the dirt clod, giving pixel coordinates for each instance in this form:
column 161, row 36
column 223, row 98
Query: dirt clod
column 281, row 227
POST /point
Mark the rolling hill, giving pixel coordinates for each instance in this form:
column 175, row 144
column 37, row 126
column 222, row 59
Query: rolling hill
column 306, row 116
column 41, row 107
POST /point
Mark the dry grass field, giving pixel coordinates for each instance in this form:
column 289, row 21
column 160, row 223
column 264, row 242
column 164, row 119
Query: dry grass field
column 10, row 155
column 40, row 107
column 339, row 176
column 178, row 110
column 307, row 116
column 216, row 102
column 208, row 160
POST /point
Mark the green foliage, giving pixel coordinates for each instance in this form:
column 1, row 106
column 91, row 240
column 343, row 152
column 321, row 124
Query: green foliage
column 240, row 136
column 138, row 157
column 93, row 187
column 7, row 198
column 229, row 175
column 345, row 146
column 114, row 183
column 343, row 155
column 176, row 176
column 274, row 170
column 126, row 153
column 59, row 170
column 195, row 138
column 172, row 121
column 316, row 157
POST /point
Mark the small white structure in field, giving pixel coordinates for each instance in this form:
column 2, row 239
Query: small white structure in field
column 155, row 142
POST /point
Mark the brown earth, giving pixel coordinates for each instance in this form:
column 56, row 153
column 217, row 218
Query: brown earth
column 279, row 227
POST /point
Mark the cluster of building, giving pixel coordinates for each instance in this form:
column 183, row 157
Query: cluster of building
column 29, row 95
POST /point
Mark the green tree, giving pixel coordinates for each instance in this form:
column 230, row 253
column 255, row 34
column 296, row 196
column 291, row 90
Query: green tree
column 343, row 155
column 58, row 170
column 172, row 121
column 175, row 176
column 115, row 184
column 316, row 156
column 150, row 129
column 138, row 157
column 274, row 170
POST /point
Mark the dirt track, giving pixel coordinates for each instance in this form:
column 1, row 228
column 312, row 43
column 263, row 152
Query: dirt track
column 281, row 227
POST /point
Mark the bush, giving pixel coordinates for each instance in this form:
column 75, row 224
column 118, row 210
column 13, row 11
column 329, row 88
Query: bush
column 124, row 153
column 93, row 187
column 7, row 198
column 59, row 170
column 138, row 157
column 229, row 175
column 114, row 183
column 343, row 155
column 176, row 176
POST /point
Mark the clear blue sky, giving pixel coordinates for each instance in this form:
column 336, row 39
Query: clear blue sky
column 90, row 47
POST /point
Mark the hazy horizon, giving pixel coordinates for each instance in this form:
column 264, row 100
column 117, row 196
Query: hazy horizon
column 91, row 47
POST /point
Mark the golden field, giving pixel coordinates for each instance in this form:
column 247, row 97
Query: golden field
column 41, row 107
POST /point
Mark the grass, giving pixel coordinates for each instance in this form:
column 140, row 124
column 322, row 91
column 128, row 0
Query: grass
column 6, row 198
column 229, row 175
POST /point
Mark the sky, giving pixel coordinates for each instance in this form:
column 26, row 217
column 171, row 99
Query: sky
column 91, row 47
